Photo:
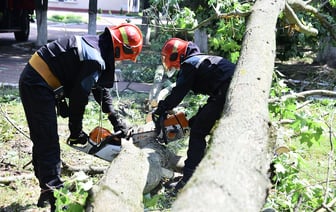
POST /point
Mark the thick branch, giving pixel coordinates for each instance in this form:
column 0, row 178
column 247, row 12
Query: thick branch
column 7, row 180
column 134, row 172
column 87, row 169
column 208, row 21
column 294, row 20
column 304, row 5
column 304, row 94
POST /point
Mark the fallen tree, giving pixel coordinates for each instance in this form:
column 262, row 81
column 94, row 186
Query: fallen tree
column 235, row 169
column 233, row 176
column 135, row 171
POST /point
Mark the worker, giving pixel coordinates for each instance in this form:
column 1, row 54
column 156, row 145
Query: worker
column 58, row 80
column 203, row 74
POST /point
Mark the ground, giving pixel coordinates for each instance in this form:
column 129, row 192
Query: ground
column 15, row 154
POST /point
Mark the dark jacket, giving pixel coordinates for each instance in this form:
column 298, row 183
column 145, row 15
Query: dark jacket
column 200, row 73
column 83, row 64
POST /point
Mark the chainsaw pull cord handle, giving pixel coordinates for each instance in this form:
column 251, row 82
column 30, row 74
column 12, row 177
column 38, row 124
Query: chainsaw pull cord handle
column 178, row 121
column 99, row 135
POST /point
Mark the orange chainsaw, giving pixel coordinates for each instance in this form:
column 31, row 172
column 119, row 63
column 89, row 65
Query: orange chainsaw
column 106, row 145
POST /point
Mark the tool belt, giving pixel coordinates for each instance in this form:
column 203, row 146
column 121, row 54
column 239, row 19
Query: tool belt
column 41, row 67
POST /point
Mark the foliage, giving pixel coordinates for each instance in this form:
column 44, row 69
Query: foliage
column 291, row 43
column 306, row 127
column 144, row 69
column 225, row 35
column 332, row 3
column 66, row 18
column 72, row 197
column 141, row 72
column 290, row 189
column 7, row 98
column 157, row 202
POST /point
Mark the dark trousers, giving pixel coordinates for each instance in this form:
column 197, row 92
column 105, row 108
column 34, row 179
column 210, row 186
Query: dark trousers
column 39, row 105
column 201, row 125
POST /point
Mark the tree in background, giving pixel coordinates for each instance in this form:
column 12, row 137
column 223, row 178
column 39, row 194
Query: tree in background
column 41, row 21
column 92, row 27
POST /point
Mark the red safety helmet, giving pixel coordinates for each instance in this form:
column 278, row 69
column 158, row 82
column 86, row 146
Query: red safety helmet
column 127, row 41
column 172, row 52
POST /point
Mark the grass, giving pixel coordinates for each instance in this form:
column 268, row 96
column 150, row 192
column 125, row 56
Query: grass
column 69, row 18
column 15, row 154
column 22, row 195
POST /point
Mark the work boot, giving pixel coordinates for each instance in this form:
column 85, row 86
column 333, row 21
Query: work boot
column 81, row 139
column 47, row 198
column 177, row 186
column 47, row 194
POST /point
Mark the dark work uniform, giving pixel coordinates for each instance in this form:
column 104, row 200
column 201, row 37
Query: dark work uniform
column 202, row 74
column 82, row 64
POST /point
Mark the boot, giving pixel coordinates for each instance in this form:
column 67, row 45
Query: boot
column 187, row 173
column 47, row 194
column 47, row 198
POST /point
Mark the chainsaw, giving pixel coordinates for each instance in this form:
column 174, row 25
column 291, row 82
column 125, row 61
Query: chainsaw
column 106, row 145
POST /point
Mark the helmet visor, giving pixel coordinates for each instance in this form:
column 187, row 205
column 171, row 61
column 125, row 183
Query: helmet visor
column 163, row 58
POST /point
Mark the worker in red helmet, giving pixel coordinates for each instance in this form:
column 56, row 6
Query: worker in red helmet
column 203, row 74
column 57, row 80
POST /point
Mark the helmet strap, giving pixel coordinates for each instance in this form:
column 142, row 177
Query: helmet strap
column 117, row 52
column 181, row 57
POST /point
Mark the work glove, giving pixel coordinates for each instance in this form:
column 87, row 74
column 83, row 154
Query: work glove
column 62, row 108
column 82, row 138
column 158, row 118
column 119, row 126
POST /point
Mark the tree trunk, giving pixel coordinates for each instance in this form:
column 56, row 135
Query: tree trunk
column 201, row 39
column 41, row 22
column 146, row 30
column 233, row 174
column 134, row 172
column 92, row 17
column 122, row 186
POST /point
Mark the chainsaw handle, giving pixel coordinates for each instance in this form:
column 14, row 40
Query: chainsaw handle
column 119, row 132
column 128, row 134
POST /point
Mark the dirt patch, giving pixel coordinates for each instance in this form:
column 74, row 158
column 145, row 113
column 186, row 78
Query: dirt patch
column 301, row 76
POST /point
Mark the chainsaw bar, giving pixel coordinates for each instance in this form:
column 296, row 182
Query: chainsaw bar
column 144, row 137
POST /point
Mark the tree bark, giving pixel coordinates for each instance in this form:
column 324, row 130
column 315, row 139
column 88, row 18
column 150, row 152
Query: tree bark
column 135, row 171
column 41, row 22
column 233, row 174
column 92, row 27
column 122, row 186
column 201, row 39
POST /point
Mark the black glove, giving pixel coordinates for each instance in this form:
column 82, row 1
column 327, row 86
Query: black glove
column 82, row 138
column 61, row 104
column 118, row 125
column 158, row 118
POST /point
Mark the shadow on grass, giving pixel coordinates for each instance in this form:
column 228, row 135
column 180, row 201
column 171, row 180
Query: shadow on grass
column 16, row 207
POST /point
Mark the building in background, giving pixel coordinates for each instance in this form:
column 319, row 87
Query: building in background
column 104, row 6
